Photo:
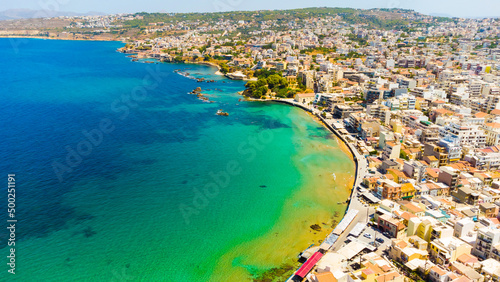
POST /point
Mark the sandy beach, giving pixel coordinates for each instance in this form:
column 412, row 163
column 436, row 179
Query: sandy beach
column 317, row 201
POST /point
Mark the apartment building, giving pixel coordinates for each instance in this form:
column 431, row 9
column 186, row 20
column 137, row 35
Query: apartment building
column 446, row 250
column 487, row 239
column 466, row 134
column 492, row 131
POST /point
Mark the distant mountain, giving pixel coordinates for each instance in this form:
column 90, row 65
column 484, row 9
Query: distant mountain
column 14, row 14
column 467, row 17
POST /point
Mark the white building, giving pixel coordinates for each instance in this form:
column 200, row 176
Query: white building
column 463, row 227
column 467, row 134
column 492, row 131
column 487, row 239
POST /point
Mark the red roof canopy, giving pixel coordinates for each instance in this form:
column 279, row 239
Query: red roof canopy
column 309, row 264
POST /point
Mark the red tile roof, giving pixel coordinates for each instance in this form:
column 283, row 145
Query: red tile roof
column 480, row 115
column 495, row 112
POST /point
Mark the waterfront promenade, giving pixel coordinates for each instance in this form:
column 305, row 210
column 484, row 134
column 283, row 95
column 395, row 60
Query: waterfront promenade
column 361, row 164
column 354, row 203
column 359, row 160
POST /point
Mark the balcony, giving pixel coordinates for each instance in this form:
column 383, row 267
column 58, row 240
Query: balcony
column 485, row 239
column 486, row 246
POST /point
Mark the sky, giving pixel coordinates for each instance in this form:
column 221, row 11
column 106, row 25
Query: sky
column 456, row 8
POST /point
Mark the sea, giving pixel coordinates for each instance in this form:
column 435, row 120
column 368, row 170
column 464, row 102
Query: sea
column 122, row 175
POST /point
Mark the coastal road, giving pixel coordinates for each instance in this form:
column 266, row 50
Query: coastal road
column 361, row 170
column 364, row 210
column 362, row 217
column 355, row 204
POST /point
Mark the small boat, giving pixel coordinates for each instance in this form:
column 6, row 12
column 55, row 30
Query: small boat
column 221, row 113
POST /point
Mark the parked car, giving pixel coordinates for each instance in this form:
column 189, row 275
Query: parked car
column 368, row 235
column 380, row 240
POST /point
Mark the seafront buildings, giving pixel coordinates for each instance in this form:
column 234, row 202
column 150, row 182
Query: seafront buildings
column 419, row 105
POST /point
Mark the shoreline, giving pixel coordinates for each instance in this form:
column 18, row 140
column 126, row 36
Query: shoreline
column 343, row 145
column 217, row 72
column 312, row 190
column 361, row 167
column 317, row 118
column 354, row 155
column 64, row 39
column 358, row 176
column 318, row 199
column 347, row 187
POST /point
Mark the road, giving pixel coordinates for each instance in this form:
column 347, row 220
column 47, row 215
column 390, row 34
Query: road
column 365, row 211
column 356, row 203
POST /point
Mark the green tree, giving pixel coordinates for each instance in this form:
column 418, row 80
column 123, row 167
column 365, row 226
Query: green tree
column 224, row 68
column 260, row 91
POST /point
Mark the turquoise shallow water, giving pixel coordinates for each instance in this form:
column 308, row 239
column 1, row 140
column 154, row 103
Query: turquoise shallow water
column 162, row 187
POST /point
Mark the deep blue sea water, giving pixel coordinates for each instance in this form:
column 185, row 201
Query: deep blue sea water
column 123, row 176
